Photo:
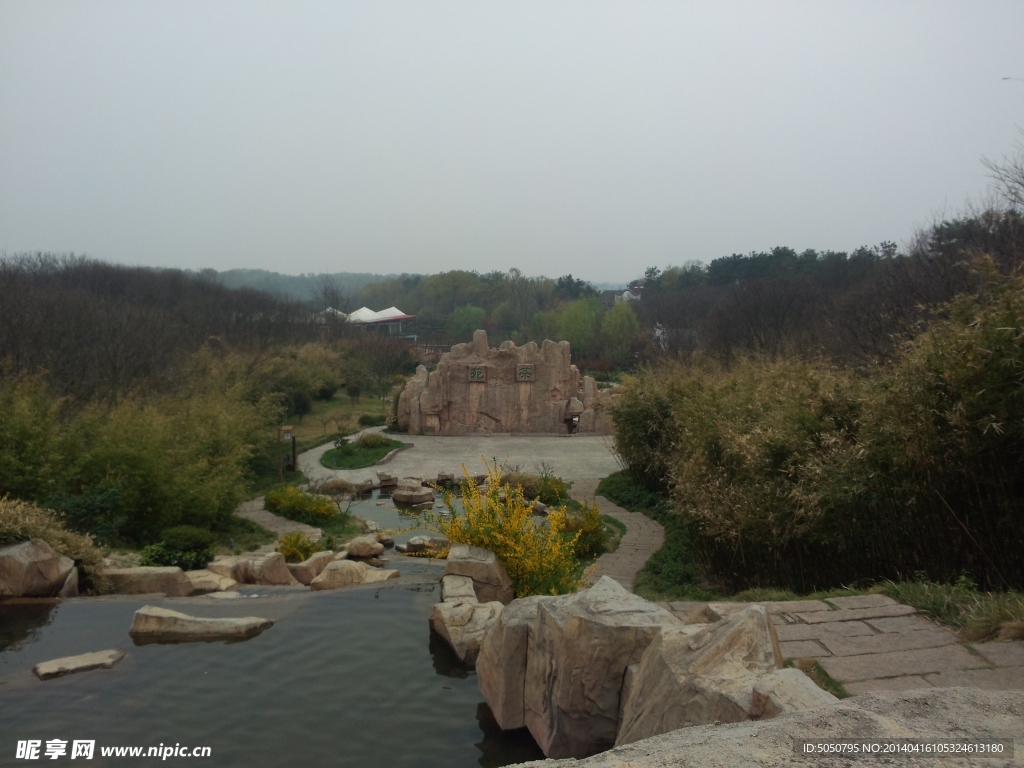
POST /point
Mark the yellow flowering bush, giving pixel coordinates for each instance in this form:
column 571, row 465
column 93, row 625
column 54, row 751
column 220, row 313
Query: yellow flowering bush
column 538, row 555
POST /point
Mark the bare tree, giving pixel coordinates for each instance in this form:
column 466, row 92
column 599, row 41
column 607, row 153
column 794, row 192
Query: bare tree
column 1009, row 176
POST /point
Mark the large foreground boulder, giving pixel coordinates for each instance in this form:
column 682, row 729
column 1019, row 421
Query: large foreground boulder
column 33, row 569
column 349, row 573
column 576, row 661
column 462, row 624
column 724, row 672
column 311, row 567
column 154, row 624
column 934, row 714
column 490, row 579
column 501, row 665
column 146, row 580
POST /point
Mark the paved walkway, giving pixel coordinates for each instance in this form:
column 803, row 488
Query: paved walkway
column 642, row 539
column 588, row 456
column 871, row 643
column 253, row 510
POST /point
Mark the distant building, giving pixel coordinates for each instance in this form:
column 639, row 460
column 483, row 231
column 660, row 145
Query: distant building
column 386, row 321
column 608, row 298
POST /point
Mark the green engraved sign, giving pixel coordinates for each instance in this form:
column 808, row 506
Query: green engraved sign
column 524, row 372
column 477, row 373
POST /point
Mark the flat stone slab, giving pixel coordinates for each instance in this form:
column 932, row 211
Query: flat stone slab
column 795, row 606
column 897, row 664
column 999, row 679
column 45, row 670
column 154, row 624
column 856, row 614
column 901, row 624
column 802, row 649
column 893, row 641
column 1002, row 654
column 790, row 632
column 905, row 683
column 861, row 601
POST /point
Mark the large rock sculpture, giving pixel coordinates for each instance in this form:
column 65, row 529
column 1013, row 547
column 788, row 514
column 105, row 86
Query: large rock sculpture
column 501, row 664
column 480, row 390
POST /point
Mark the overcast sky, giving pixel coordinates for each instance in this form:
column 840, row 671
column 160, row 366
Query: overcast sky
column 596, row 138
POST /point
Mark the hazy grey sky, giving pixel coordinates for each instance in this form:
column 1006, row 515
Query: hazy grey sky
column 596, row 138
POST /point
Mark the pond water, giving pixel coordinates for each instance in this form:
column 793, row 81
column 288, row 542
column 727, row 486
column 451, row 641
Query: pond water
column 345, row 677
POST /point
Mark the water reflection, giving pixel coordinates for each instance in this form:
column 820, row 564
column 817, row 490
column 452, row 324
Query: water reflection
column 500, row 747
column 20, row 623
column 446, row 663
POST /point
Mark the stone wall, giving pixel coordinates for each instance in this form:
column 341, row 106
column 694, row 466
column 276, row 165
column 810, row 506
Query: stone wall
column 477, row 389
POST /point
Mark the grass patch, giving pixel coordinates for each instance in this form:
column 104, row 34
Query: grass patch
column 975, row 615
column 821, row 678
column 355, row 456
column 614, row 530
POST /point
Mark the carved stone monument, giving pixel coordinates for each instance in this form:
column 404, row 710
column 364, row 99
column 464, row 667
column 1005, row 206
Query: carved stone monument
column 480, row 390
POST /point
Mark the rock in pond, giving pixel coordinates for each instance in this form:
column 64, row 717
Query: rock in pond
column 204, row 582
column 462, row 624
column 575, row 664
column 724, row 672
column 145, row 580
column 33, row 569
column 268, row 569
column 501, row 665
column 364, row 546
column 70, row 588
column 490, row 579
column 311, row 567
column 68, row 665
column 409, row 492
column 154, row 624
column 349, row 573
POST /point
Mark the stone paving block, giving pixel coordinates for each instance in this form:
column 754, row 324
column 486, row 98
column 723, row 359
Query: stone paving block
column 1002, row 654
column 892, row 641
column 861, row 601
column 998, row 679
column 925, row 661
column 819, row 631
column 856, row 614
column 902, row 624
column 802, row 649
column 905, row 683
column 795, row 606
column 779, row 620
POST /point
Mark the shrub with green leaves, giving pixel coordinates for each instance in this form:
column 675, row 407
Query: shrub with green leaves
column 373, row 440
column 372, row 420
column 546, row 488
column 304, row 507
column 586, row 525
column 296, row 547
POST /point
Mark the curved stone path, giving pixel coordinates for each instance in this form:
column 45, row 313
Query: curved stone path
column 279, row 526
column 642, row 539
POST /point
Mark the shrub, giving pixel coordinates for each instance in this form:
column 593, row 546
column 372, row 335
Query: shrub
column 187, row 538
column 371, row 420
column 296, row 547
column 373, row 440
column 587, row 528
column 304, row 507
column 336, row 487
column 161, row 554
column 545, row 487
column 21, row 521
column 539, row 556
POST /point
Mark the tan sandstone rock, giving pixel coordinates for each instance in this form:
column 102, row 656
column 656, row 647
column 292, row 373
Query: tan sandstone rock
column 144, row 580
column 349, row 573
column 32, row 569
column 409, row 492
column 269, row 569
column 152, row 623
column 490, row 579
column 501, row 665
column 364, row 546
column 462, row 624
column 479, row 390
column 205, row 581
column 68, row 665
column 575, row 664
column 723, row 672
column 457, row 588
column 310, row 568
column 70, row 588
